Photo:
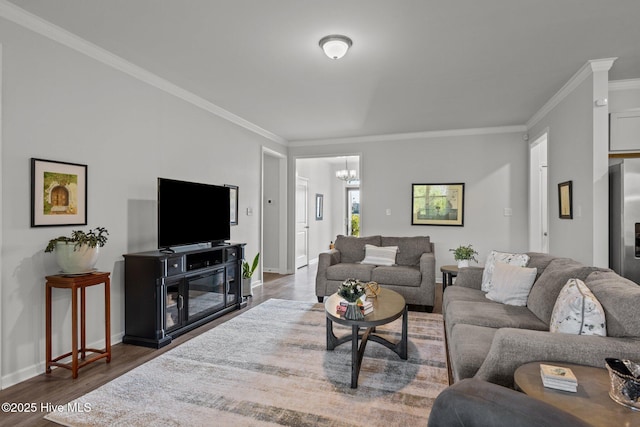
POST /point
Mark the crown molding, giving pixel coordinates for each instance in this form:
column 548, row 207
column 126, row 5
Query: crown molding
column 38, row 25
column 630, row 84
column 585, row 71
column 411, row 135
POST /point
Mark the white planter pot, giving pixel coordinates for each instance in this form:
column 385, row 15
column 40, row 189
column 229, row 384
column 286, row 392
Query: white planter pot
column 246, row 287
column 74, row 260
column 463, row 263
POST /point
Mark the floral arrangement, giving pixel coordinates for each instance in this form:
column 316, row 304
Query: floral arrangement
column 464, row 253
column 351, row 290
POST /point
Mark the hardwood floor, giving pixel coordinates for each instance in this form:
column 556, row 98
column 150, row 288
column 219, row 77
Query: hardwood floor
column 58, row 388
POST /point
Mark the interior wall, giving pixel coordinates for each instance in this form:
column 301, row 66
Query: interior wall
column 577, row 152
column 271, row 215
column 492, row 166
column 61, row 105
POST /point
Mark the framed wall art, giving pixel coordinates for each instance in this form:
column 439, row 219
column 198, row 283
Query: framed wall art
column 565, row 199
column 319, row 207
column 58, row 193
column 233, row 204
column 437, row 204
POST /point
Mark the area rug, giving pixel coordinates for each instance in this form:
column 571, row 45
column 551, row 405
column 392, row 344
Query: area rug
column 269, row 366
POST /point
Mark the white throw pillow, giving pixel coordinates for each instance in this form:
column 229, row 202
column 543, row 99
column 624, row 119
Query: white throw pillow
column 519, row 260
column 577, row 311
column 511, row 284
column 380, row 255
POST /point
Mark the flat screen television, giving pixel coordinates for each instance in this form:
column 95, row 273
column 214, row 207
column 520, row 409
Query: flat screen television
column 191, row 212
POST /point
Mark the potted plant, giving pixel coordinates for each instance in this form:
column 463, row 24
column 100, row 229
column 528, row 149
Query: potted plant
column 247, row 273
column 79, row 253
column 464, row 254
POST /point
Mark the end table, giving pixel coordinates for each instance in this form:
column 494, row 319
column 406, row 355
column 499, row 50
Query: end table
column 75, row 283
column 448, row 273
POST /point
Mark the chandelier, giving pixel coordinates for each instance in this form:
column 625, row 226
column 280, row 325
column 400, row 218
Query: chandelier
column 346, row 174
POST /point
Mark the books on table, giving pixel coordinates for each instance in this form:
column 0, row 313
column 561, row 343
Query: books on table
column 558, row 377
column 366, row 306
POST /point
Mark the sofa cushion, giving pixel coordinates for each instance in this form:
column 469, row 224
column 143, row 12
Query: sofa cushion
column 492, row 314
column 397, row 275
column 520, row 260
column 577, row 311
column 380, row 255
column 344, row 271
column 546, row 289
column 459, row 293
column 352, row 248
column 620, row 299
column 468, row 345
column 409, row 248
column 511, row 284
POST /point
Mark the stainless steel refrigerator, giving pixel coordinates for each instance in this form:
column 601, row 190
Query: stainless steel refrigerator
column 624, row 218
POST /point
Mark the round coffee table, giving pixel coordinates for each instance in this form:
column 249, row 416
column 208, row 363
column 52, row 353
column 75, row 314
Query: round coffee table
column 591, row 402
column 387, row 307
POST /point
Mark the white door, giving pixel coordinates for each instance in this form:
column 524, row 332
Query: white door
column 538, row 196
column 302, row 222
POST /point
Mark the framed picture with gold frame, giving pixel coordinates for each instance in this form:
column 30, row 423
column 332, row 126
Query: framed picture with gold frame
column 58, row 193
column 565, row 199
column 437, row 204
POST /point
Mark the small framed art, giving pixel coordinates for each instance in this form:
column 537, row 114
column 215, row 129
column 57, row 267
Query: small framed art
column 58, row 193
column 233, row 204
column 565, row 199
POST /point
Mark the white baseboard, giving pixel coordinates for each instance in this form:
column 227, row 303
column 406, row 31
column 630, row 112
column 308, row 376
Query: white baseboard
column 39, row 368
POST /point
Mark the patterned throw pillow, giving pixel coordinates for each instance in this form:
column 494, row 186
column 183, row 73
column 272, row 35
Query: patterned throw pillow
column 577, row 311
column 511, row 284
column 377, row 255
column 519, row 260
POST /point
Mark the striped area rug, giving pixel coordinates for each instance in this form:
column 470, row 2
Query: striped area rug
column 269, row 366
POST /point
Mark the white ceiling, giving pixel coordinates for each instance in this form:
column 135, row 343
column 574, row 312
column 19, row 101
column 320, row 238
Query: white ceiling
column 415, row 65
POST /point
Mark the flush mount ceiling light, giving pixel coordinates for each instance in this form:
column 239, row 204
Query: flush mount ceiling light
column 335, row 46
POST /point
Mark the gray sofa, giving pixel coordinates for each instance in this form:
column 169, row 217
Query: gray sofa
column 413, row 275
column 489, row 340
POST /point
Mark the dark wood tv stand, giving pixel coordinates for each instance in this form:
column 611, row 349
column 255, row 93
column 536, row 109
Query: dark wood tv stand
column 168, row 294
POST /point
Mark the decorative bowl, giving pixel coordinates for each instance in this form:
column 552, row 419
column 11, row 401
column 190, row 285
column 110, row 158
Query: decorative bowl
column 625, row 382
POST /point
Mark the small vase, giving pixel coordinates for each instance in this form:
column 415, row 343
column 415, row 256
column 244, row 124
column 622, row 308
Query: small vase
column 353, row 312
column 463, row 263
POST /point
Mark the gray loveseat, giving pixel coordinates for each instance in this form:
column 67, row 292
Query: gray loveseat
column 413, row 275
column 489, row 340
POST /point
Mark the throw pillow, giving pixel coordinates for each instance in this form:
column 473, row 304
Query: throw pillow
column 577, row 311
column 519, row 260
column 511, row 284
column 376, row 255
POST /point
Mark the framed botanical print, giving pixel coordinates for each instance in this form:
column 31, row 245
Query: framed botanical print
column 58, row 193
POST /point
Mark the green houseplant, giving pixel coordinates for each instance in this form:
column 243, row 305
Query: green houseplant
column 464, row 254
column 79, row 252
column 247, row 273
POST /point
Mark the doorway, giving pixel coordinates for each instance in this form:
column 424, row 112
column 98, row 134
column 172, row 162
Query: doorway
column 538, row 195
column 335, row 181
column 302, row 222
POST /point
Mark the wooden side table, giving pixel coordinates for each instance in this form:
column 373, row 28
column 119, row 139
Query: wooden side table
column 591, row 402
column 448, row 273
column 76, row 283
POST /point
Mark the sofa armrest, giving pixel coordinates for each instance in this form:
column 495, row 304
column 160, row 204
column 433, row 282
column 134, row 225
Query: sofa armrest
column 475, row 403
column 325, row 260
column 512, row 348
column 469, row 277
column 428, row 278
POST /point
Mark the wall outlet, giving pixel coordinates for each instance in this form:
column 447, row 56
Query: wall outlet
column 508, row 212
column 388, row 211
